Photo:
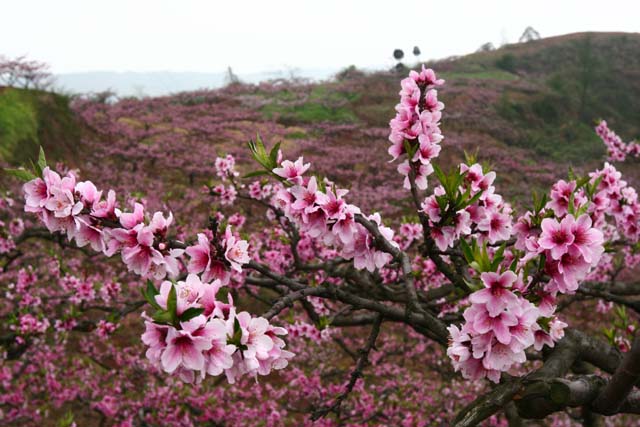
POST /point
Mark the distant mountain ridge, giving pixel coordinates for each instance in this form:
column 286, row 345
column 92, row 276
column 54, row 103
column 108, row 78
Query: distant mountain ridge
column 158, row 83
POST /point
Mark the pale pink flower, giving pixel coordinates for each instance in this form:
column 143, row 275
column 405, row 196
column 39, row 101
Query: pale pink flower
column 541, row 339
column 431, row 207
column 345, row 228
column 219, row 356
column 36, row 195
column 422, row 171
column 292, row 171
column 88, row 193
column 236, row 251
column 443, row 236
column 556, row 329
column 501, row 357
column 130, row 220
column 106, row 208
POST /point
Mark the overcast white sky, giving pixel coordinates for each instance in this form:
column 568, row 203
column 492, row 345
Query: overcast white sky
column 254, row 36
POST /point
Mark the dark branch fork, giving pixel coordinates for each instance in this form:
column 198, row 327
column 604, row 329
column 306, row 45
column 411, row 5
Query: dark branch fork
column 535, row 395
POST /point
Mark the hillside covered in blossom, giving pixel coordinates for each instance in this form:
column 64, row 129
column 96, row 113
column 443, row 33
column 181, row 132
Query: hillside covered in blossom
column 505, row 104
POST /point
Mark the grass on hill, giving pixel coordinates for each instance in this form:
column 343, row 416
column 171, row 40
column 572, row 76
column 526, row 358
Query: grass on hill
column 29, row 119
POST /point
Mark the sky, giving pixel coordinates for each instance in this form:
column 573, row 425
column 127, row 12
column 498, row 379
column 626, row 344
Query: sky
column 258, row 36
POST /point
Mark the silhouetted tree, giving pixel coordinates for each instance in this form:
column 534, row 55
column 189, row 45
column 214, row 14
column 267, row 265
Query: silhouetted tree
column 416, row 52
column 231, row 78
column 528, row 35
column 487, row 47
column 398, row 54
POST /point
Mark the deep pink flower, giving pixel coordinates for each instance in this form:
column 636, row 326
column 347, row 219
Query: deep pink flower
column 185, row 347
column 140, row 257
column 202, row 261
column 560, row 195
column 497, row 226
column 556, row 236
column 496, row 295
column 307, row 198
column 588, row 241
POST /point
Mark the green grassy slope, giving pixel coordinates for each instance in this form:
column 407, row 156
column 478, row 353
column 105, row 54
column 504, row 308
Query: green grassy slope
column 557, row 88
column 29, row 119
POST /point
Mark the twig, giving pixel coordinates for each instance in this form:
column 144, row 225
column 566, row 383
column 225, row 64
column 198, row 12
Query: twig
column 289, row 299
column 355, row 374
column 622, row 382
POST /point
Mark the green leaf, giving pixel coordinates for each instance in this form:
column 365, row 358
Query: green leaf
column 162, row 316
column 440, row 175
column 472, row 200
column 470, row 158
column 582, row 182
column 66, row 420
column 592, row 188
column 457, row 179
column 410, row 149
column 42, row 160
column 466, row 251
column 542, row 262
column 323, row 322
column 261, row 151
column 572, row 207
column 322, row 185
column 273, row 155
column 443, row 202
column 476, row 266
column 190, row 313
column 542, row 202
column 462, row 197
column 237, row 333
column 498, row 256
column 21, row 173
column 485, row 262
column 514, row 264
column 621, row 312
column 172, row 303
column 149, row 294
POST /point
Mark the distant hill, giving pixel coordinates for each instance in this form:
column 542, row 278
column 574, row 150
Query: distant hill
column 528, row 109
column 166, row 82
column 547, row 94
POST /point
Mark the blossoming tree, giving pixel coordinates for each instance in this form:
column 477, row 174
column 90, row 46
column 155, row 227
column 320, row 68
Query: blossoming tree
column 470, row 274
